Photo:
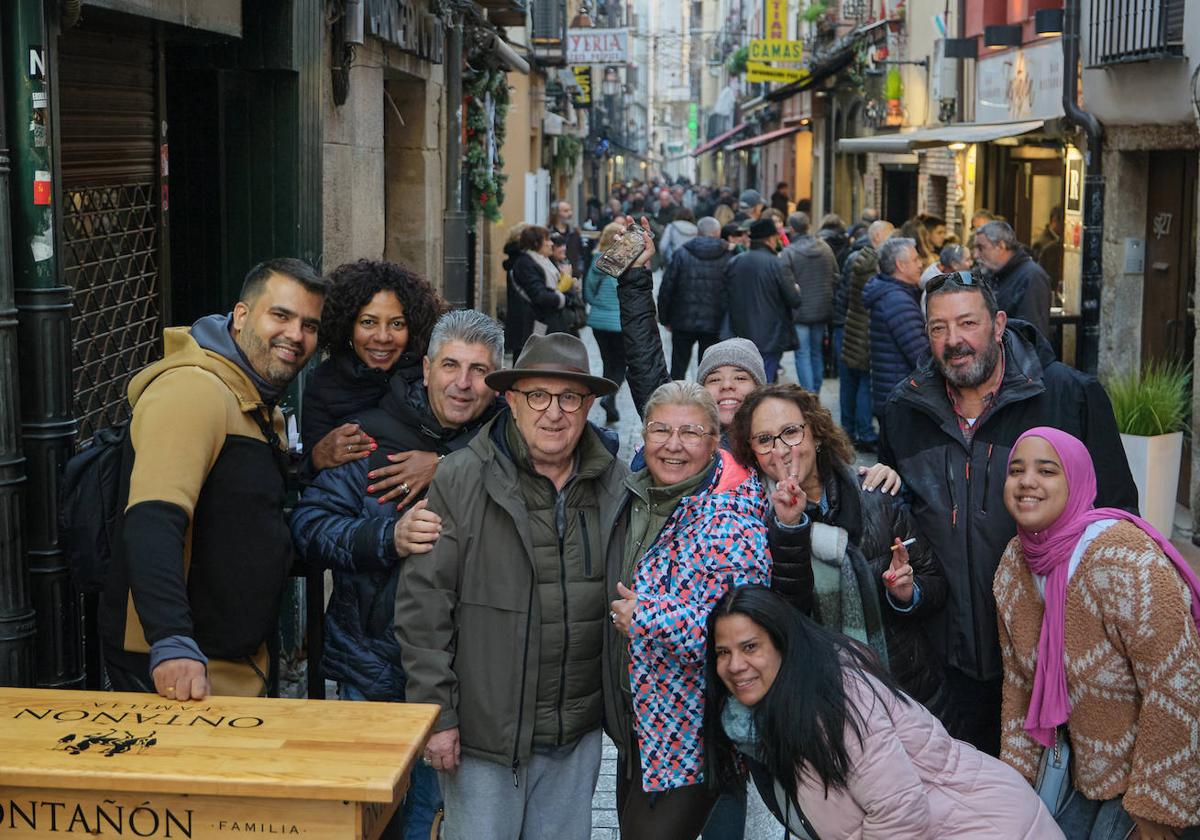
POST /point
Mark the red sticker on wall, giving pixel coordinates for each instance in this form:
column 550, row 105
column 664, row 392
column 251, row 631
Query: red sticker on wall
column 41, row 187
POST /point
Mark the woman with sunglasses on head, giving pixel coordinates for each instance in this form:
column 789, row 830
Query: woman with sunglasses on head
column 1098, row 617
column 845, row 556
column 836, row 748
column 694, row 525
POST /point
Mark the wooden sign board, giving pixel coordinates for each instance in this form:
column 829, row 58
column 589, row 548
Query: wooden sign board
column 135, row 765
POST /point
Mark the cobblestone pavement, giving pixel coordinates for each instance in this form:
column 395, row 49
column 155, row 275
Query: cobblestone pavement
column 760, row 825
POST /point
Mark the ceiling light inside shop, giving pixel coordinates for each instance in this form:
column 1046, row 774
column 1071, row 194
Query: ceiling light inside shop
column 957, row 147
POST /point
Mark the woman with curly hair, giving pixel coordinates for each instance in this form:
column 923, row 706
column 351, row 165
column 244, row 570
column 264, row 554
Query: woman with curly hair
column 376, row 324
column 842, row 554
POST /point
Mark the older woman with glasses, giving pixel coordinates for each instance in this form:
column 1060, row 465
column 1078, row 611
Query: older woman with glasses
column 694, row 527
column 849, row 558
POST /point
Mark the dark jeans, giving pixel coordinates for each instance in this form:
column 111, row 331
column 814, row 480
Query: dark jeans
column 855, row 392
column 414, row 819
column 677, row 814
column 728, row 819
column 972, row 711
column 612, row 353
column 1087, row 819
column 681, row 350
column 121, row 680
column 771, row 365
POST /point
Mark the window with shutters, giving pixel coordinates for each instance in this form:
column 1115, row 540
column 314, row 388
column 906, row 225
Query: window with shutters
column 1134, row 30
column 549, row 31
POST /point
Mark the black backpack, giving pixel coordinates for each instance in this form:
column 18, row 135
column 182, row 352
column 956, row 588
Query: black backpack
column 91, row 505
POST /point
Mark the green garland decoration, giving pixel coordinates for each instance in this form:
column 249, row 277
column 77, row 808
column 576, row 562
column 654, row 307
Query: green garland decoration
column 486, row 191
column 567, row 149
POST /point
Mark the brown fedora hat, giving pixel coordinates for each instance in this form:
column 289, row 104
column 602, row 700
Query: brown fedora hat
column 560, row 355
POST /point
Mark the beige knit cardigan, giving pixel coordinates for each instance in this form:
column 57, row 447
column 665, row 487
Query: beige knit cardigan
column 1133, row 674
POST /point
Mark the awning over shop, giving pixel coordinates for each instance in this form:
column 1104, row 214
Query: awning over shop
column 944, row 135
column 837, row 58
column 710, row 145
column 763, row 139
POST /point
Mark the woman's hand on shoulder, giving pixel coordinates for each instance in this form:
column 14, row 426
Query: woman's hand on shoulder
column 347, row 442
column 880, row 476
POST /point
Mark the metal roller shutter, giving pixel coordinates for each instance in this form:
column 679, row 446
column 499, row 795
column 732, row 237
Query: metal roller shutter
column 108, row 95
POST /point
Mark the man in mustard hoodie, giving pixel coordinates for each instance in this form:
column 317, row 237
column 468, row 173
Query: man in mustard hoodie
column 197, row 573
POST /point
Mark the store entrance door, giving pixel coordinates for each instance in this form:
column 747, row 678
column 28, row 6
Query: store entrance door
column 1168, row 326
column 899, row 192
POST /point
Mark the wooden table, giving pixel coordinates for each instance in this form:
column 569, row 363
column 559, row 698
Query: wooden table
column 136, row 765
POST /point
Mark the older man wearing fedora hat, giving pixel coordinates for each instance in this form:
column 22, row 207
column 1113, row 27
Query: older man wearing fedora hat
column 759, row 297
column 502, row 623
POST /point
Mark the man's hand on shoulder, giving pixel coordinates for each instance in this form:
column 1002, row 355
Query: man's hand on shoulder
column 182, row 679
column 417, row 530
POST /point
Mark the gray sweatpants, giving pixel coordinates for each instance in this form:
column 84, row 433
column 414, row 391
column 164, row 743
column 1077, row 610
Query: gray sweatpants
column 551, row 800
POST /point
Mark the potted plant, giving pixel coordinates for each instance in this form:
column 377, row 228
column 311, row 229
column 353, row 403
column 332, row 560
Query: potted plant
column 893, row 89
column 1152, row 411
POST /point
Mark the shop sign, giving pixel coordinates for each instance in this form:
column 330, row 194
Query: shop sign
column 767, row 49
column 1021, row 84
column 775, row 20
column 407, row 26
column 582, row 97
column 758, row 72
column 597, row 46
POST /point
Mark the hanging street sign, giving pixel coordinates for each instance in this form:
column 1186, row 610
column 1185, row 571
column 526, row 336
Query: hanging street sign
column 759, row 72
column 597, row 46
column 768, row 49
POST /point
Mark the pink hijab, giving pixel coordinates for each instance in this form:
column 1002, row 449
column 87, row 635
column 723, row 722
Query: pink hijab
column 1048, row 552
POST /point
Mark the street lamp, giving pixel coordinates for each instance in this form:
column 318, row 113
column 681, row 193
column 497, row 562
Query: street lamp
column 610, row 85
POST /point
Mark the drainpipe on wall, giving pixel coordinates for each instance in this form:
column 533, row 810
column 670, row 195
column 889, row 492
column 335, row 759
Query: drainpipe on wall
column 454, row 220
column 44, row 335
column 1093, row 192
column 17, row 618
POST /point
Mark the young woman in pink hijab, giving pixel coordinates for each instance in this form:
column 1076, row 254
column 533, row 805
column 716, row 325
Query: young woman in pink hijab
column 1098, row 631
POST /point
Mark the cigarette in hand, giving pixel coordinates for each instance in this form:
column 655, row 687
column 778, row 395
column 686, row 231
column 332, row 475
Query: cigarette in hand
column 906, row 543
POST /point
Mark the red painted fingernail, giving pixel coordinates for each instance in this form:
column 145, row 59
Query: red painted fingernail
column 370, row 475
column 374, row 447
column 370, row 488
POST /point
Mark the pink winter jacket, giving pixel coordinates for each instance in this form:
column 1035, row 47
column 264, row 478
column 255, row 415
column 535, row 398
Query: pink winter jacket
column 912, row 781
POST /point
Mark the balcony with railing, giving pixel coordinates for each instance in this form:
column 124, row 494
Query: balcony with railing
column 1123, row 31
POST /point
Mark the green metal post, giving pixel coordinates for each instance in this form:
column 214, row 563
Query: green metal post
column 44, row 331
column 17, row 624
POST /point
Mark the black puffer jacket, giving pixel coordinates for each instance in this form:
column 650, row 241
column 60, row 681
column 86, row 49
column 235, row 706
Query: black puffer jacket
column 810, row 264
column 340, row 388
column 645, row 365
column 955, row 487
column 338, row 525
column 759, row 299
column 1023, row 291
column 689, row 298
column 872, row 521
column 856, row 345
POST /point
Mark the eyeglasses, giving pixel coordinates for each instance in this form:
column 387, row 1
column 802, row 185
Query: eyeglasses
column 690, row 434
column 568, row 401
column 764, row 444
column 959, row 278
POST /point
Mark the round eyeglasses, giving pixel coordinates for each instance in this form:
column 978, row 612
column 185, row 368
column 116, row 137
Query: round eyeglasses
column 690, row 434
column 764, row 444
column 568, row 401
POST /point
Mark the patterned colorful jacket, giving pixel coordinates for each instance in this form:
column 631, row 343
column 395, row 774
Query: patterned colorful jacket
column 715, row 538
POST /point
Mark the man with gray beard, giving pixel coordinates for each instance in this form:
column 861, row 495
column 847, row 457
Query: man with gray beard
column 948, row 429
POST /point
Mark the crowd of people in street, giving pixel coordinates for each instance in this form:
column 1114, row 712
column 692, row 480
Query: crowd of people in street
column 976, row 637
